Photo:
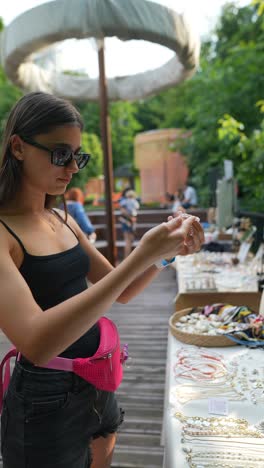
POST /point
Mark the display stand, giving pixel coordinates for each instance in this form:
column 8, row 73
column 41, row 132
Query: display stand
column 174, row 456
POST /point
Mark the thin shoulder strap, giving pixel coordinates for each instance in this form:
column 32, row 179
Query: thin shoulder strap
column 14, row 235
column 63, row 220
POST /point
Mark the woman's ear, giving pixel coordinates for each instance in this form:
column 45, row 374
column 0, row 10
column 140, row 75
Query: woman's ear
column 17, row 147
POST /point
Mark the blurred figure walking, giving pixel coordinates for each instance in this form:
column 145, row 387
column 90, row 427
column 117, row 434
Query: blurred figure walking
column 177, row 202
column 129, row 207
column 74, row 201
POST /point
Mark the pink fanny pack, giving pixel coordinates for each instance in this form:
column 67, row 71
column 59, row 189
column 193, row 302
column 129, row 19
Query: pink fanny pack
column 104, row 369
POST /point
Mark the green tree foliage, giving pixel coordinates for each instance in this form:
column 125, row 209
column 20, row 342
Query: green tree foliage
column 150, row 112
column 237, row 26
column 229, row 81
column 217, row 106
column 124, row 127
column 91, row 116
column 90, row 144
column 247, row 152
column 260, row 5
column 9, row 94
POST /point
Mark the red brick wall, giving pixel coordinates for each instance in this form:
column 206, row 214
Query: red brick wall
column 161, row 170
column 95, row 186
column 177, row 171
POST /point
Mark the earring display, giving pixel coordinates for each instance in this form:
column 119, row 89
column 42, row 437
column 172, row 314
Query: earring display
column 250, row 375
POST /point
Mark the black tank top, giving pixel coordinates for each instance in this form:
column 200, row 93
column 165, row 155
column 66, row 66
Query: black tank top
column 54, row 278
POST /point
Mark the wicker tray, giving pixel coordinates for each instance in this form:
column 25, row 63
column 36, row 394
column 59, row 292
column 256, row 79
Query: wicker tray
column 193, row 339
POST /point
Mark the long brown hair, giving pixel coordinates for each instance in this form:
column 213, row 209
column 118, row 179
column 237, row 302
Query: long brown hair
column 33, row 114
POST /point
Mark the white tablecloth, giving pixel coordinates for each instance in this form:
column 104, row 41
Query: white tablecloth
column 171, row 434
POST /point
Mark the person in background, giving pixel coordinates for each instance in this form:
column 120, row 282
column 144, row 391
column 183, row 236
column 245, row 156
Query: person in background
column 169, row 197
column 75, row 200
column 124, row 192
column 190, row 197
column 177, row 202
column 129, row 207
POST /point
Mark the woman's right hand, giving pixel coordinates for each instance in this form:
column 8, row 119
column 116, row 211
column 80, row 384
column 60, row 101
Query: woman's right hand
column 177, row 236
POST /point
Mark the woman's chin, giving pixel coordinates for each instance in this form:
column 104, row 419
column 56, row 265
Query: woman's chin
column 57, row 192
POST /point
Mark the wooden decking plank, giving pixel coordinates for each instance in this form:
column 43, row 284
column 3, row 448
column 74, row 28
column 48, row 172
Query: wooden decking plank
column 145, row 319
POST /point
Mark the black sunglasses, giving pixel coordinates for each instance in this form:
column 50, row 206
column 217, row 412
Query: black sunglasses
column 61, row 156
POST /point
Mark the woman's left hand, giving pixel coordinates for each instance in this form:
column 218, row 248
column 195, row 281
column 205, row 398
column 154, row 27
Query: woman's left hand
column 195, row 237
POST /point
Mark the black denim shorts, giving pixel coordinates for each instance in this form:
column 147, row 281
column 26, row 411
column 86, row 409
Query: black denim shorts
column 50, row 417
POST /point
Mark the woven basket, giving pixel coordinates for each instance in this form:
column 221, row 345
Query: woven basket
column 195, row 339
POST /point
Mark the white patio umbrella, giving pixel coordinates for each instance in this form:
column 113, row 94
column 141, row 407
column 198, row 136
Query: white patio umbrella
column 58, row 20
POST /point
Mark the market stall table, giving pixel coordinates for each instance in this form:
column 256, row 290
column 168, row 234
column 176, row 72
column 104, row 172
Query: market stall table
column 233, row 284
column 174, row 456
column 212, row 276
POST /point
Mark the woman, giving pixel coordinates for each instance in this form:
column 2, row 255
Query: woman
column 54, row 418
column 75, row 200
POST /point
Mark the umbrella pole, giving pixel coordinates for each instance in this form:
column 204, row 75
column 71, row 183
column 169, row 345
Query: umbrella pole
column 108, row 161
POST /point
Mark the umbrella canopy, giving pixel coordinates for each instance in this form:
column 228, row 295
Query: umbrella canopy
column 59, row 20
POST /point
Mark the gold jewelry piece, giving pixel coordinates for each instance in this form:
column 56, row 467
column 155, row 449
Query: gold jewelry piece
column 235, row 459
column 213, row 427
column 211, row 420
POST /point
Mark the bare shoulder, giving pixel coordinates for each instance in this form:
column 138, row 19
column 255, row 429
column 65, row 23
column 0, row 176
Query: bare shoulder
column 7, row 264
column 17, row 302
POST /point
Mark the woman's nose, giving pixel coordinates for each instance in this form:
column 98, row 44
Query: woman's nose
column 72, row 166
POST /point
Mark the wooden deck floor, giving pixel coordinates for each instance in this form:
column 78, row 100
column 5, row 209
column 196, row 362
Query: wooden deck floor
column 143, row 324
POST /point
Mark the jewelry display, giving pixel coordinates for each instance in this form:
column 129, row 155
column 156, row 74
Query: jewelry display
column 198, row 284
column 197, row 426
column 203, row 457
column 232, row 459
column 201, row 365
column 223, row 465
column 218, row 384
column 201, row 266
column 260, row 426
column 211, row 442
column 221, row 319
column 250, row 380
column 211, row 374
